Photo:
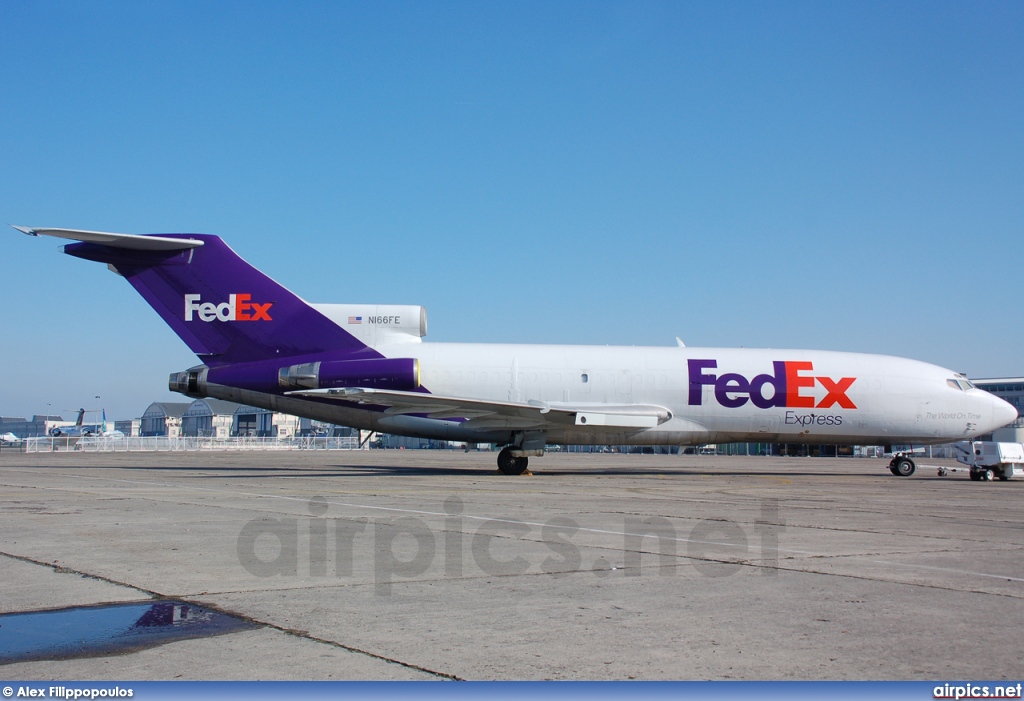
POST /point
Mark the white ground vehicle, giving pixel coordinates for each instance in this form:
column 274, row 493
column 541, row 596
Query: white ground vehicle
column 987, row 460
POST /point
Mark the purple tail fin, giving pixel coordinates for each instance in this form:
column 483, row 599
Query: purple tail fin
column 224, row 309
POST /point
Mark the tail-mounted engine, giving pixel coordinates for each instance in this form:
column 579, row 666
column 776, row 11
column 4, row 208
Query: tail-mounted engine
column 381, row 373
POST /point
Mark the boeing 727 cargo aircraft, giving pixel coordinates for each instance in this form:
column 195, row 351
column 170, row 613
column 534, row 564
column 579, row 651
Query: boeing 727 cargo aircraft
column 366, row 366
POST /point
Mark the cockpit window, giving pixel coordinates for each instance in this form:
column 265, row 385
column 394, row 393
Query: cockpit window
column 960, row 384
column 953, row 384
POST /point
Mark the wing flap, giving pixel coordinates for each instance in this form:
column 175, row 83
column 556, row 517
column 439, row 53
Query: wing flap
column 593, row 418
column 480, row 413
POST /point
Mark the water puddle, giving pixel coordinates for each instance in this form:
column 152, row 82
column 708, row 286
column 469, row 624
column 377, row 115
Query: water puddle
column 93, row 631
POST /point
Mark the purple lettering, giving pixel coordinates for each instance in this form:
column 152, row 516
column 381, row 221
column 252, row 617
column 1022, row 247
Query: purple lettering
column 777, row 381
column 698, row 379
column 731, row 383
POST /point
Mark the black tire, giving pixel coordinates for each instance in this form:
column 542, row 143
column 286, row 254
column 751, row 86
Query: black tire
column 892, row 469
column 975, row 476
column 988, row 475
column 510, row 465
column 904, row 467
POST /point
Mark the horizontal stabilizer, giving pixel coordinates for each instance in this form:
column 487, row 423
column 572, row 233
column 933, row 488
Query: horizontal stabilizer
column 129, row 241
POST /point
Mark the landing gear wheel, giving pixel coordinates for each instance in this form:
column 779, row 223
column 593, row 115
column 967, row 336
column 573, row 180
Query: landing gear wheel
column 892, row 469
column 510, row 465
column 903, row 467
column 975, row 476
column 987, row 475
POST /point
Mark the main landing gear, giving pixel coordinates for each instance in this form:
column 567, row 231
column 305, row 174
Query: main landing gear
column 509, row 464
column 513, row 459
column 902, row 466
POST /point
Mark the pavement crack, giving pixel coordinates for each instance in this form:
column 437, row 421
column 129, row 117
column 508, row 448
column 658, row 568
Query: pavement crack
column 289, row 631
column 61, row 569
column 306, row 635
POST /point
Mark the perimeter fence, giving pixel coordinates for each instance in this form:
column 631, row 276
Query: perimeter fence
column 102, row 444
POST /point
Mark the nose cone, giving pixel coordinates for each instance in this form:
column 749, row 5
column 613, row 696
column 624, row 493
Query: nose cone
column 1003, row 413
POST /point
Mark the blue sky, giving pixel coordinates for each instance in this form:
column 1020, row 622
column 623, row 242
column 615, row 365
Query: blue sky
column 811, row 175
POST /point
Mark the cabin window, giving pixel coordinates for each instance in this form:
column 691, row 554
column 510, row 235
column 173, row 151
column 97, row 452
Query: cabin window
column 585, row 378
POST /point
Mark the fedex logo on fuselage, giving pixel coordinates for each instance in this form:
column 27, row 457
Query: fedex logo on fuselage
column 239, row 307
column 791, row 384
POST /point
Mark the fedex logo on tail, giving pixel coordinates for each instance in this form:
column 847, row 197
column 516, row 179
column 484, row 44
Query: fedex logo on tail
column 239, row 307
column 791, row 386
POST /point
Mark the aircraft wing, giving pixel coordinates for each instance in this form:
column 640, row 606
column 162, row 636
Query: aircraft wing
column 480, row 413
column 131, row 241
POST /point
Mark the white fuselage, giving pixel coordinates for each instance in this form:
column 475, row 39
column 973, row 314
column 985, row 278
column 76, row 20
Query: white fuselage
column 860, row 398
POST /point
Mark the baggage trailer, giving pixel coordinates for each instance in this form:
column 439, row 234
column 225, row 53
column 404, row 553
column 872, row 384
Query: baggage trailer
column 986, row 460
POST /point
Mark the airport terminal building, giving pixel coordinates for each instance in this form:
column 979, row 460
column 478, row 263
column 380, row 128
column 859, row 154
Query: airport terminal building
column 163, row 419
column 38, row 426
column 219, row 419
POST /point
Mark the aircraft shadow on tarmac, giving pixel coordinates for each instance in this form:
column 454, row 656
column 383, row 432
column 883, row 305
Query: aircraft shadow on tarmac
column 243, row 473
column 540, row 471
